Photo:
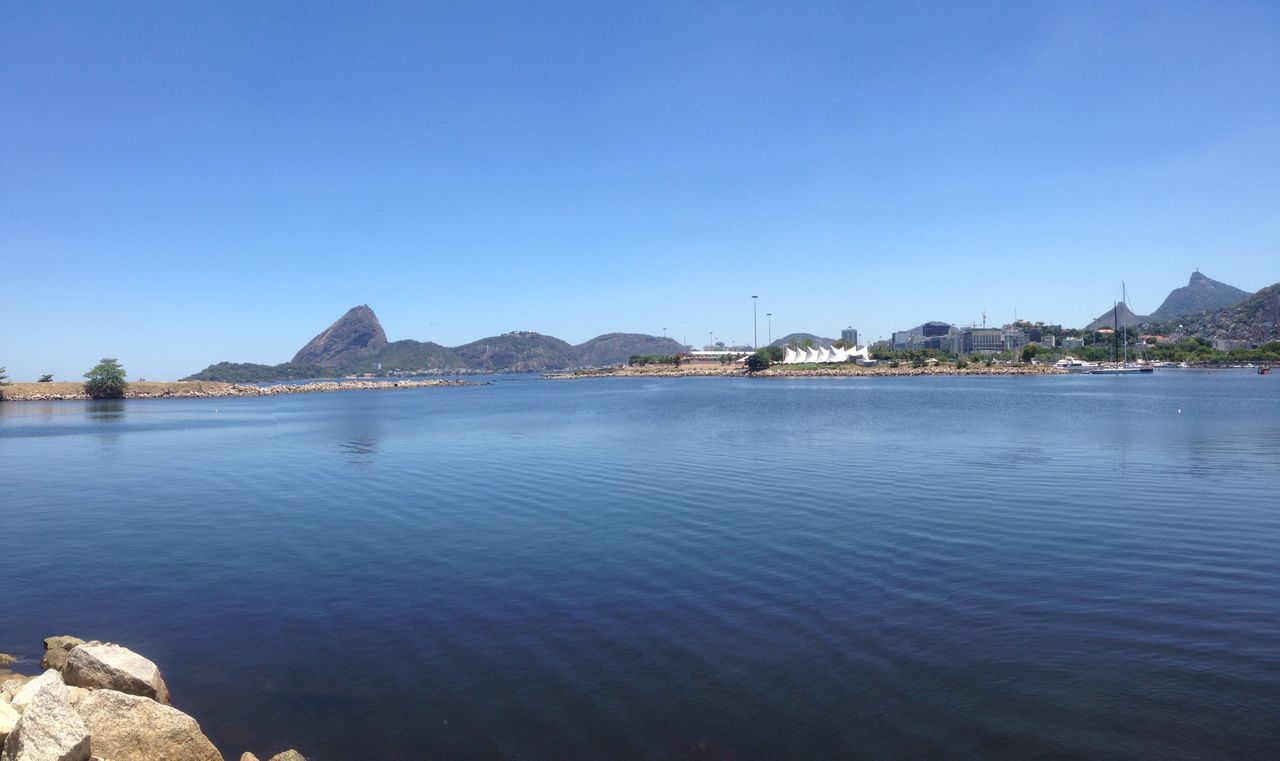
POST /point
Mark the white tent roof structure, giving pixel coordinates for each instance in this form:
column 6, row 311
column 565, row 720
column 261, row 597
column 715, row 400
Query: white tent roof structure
column 827, row 355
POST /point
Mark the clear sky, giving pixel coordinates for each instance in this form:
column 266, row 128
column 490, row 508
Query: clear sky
column 183, row 183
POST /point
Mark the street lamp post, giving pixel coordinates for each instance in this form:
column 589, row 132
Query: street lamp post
column 769, row 317
column 755, row 333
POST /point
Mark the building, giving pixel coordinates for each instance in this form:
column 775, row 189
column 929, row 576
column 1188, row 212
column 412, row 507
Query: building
column 1072, row 342
column 1014, row 339
column 982, row 340
column 917, row 337
column 850, row 336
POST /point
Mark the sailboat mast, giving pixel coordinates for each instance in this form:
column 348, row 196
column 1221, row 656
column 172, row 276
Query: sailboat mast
column 1115, row 323
column 1124, row 294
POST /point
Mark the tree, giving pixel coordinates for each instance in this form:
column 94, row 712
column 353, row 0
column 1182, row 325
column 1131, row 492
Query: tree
column 106, row 380
column 46, row 378
column 1029, row 352
column 759, row 361
column 4, row 379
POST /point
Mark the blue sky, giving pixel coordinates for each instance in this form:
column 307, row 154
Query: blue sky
column 183, row 183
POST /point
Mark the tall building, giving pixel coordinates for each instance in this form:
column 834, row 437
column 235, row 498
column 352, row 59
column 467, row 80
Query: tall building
column 982, row 340
column 850, row 336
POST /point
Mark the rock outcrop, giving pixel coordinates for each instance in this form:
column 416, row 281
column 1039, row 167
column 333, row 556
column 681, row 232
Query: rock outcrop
column 56, row 650
column 49, row 730
column 115, row 709
column 355, row 336
column 97, row 665
column 132, row 728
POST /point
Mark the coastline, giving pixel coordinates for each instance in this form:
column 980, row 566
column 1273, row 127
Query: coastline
column 836, row 371
column 74, row 391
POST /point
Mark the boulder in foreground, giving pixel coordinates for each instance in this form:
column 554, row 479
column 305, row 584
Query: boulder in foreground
column 27, row 693
column 8, row 720
column 133, row 728
column 49, row 729
column 105, row 666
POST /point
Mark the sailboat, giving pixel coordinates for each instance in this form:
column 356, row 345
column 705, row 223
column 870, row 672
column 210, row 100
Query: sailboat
column 1124, row 368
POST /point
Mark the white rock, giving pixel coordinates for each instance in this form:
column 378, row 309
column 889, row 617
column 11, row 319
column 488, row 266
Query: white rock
column 133, row 728
column 8, row 718
column 74, row 694
column 29, row 690
column 49, row 730
column 10, row 687
column 96, row 665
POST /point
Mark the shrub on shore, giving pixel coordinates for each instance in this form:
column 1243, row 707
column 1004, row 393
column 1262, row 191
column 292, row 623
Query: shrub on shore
column 106, row 380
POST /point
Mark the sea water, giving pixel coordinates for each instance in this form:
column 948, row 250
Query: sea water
column 698, row 568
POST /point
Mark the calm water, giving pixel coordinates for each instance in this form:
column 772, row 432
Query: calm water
column 665, row 569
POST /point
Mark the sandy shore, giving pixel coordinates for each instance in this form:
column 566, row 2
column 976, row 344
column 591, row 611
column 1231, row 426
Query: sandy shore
column 70, row 390
column 835, row 371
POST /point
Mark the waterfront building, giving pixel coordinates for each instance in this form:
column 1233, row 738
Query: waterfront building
column 982, row 340
column 850, row 336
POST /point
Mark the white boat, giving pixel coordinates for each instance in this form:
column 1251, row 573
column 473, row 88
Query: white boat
column 1073, row 365
column 1122, row 370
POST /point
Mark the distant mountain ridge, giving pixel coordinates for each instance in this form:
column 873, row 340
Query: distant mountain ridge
column 796, row 339
column 1201, row 294
column 1255, row 320
column 356, row 343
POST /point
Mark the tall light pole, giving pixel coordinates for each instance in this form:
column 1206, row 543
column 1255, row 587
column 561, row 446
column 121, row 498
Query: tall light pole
column 755, row 334
column 769, row 317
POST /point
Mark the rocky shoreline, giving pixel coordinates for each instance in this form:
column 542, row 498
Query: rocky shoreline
column 98, row 701
column 835, row 371
column 68, row 391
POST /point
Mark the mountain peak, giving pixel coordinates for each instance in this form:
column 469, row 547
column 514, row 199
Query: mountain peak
column 356, row 334
column 1121, row 314
column 1201, row 293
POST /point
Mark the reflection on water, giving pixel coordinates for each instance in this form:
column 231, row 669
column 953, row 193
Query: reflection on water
column 359, row 449
column 106, row 409
column 357, row 429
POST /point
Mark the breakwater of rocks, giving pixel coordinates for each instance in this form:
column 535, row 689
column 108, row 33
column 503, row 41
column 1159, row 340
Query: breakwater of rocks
column 835, row 371
column 66, row 391
column 98, row 701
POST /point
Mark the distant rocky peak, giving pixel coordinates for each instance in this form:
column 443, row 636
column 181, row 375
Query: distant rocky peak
column 356, row 335
column 1201, row 293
